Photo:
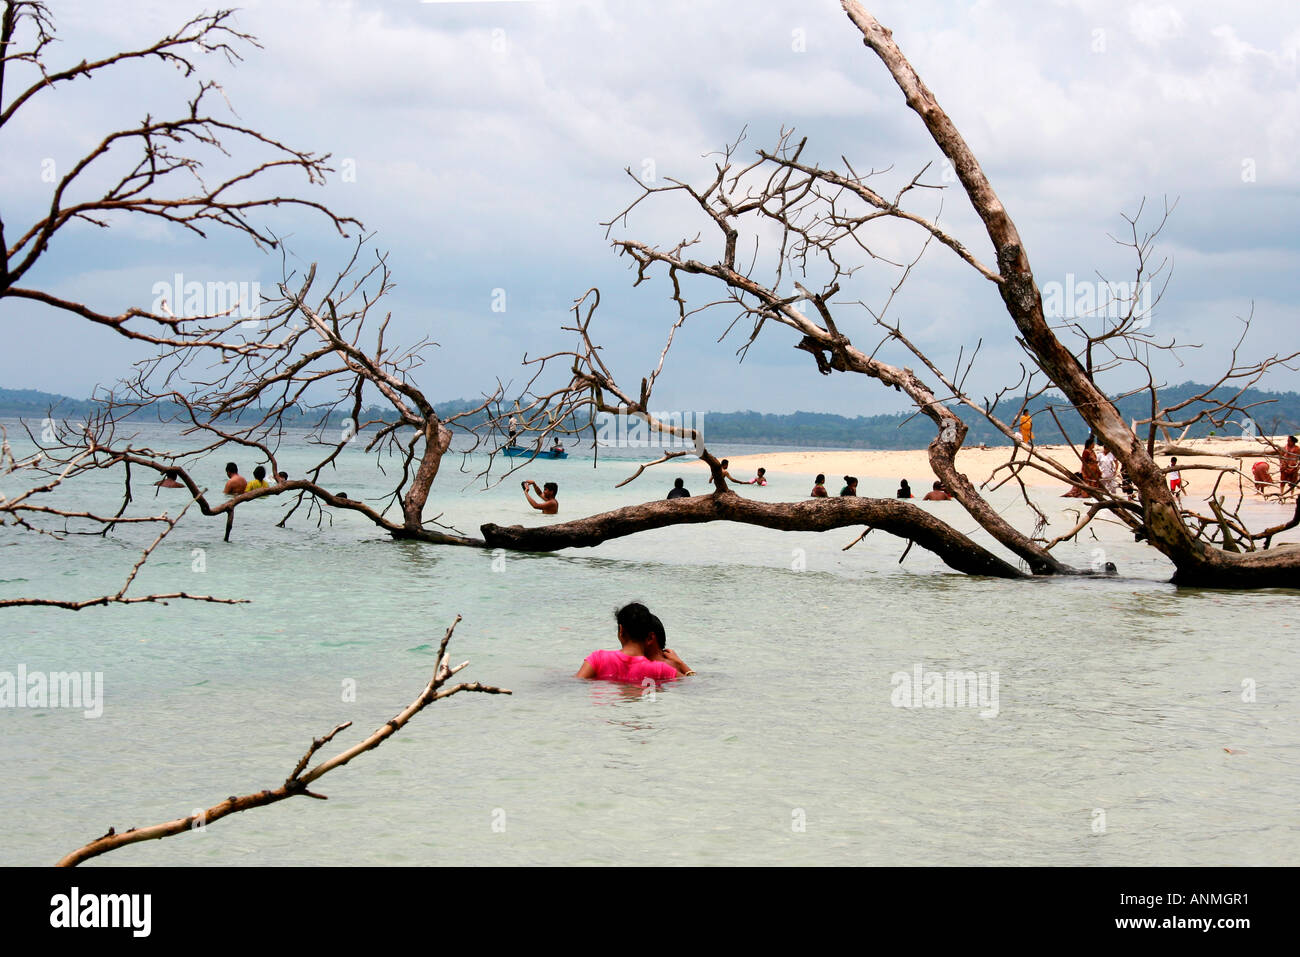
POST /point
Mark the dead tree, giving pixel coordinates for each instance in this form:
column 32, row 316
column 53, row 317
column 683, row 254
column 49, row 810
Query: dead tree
column 592, row 390
column 823, row 217
column 300, row 779
column 24, row 484
column 1196, row 561
column 155, row 170
column 318, row 357
column 159, row 170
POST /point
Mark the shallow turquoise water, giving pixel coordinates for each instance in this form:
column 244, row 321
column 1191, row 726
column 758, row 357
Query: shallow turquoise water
column 1116, row 697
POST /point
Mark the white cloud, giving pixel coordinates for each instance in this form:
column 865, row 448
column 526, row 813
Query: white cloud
column 1155, row 25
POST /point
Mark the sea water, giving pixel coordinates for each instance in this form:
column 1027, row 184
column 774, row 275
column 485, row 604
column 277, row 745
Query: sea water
column 1134, row 723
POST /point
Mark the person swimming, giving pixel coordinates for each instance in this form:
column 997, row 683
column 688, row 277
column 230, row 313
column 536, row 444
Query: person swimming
column 819, row 487
column 850, row 486
column 629, row 663
column 259, row 480
column 170, row 480
column 655, row 648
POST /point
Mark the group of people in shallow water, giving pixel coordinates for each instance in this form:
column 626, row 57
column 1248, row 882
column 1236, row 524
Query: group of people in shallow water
column 642, row 654
column 936, row 494
column 236, row 484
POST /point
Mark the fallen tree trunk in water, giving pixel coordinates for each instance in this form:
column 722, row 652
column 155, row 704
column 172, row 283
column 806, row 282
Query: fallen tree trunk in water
column 896, row 516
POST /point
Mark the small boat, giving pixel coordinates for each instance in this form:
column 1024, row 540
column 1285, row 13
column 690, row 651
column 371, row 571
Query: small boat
column 515, row 451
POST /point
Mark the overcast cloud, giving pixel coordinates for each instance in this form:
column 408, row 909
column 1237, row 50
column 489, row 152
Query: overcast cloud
column 488, row 141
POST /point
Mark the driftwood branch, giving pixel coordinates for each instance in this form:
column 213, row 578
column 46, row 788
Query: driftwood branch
column 296, row 784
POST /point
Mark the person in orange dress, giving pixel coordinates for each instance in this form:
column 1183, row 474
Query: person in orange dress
column 1026, row 429
column 1091, row 467
column 1263, row 476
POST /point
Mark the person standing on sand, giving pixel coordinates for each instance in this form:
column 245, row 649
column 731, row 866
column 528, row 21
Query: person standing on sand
column 850, row 487
column 629, row 663
column 549, row 504
column 1176, row 483
column 236, row 484
column 937, row 494
column 1026, row 429
column 1091, row 470
column 819, row 487
column 1108, row 465
column 1263, row 476
column 1288, row 464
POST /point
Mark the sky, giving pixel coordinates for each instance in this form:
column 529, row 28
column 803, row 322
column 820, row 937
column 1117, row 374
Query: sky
column 482, row 144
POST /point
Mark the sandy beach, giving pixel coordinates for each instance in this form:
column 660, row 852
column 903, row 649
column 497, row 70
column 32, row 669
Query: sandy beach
column 979, row 465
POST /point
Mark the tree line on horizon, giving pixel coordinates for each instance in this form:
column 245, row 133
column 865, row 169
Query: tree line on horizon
column 1274, row 413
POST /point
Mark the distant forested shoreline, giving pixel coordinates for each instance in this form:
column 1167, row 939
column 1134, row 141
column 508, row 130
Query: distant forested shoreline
column 1277, row 413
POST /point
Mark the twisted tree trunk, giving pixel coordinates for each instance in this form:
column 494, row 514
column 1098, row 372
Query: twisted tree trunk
column 898, row 517
column 1196, row 562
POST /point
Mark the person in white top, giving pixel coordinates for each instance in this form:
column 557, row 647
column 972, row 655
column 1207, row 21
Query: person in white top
column 1109, row 466
column 1176, row 484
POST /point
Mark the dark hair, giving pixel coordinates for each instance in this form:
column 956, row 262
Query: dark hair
column 849, row 480
column 1174, row 460
column 938, row 486
column 762, row 471
column 677, row 483
column 1291, row 438
column 1090, row 440
column 724, row 463
column 657, row 629
column 173, row 474
column 231, row 468
column 551, row 487
column 282, row 475
column 821, row 479
column 635, row 620
column 902, row 483
column 259, row 473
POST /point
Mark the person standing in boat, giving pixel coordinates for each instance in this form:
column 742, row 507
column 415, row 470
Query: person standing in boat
column 514, row 432
column 549, row 504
